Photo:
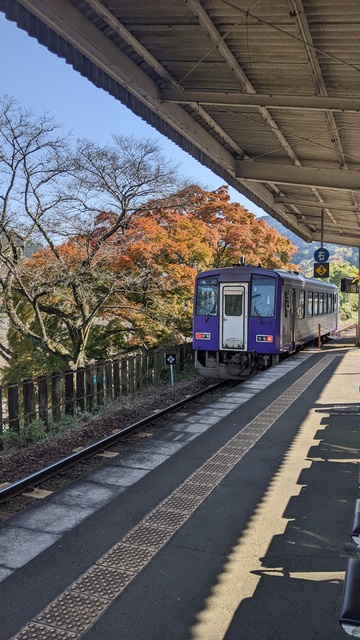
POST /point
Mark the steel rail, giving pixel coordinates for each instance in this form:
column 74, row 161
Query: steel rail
column 36, row 478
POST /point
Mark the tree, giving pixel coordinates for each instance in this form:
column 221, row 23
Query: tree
column 162, row 251
column 235, row 232
column 105, row 240
column 192, row 231
column 53, row 195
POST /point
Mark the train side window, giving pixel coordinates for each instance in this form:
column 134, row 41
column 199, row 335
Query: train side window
column 310, row 304
column 325, row 303
column 301, row 306
column 321, row 304
column 207, row 296
column 316, row 303
column 262, row 297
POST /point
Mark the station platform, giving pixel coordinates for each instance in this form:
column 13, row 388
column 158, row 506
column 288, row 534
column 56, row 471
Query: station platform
column 231, row 523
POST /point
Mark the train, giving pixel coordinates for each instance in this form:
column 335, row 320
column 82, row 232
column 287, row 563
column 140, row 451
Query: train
column 247, row 318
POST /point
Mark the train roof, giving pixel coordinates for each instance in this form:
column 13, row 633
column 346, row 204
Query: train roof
column 296, row 276
column 285, row 274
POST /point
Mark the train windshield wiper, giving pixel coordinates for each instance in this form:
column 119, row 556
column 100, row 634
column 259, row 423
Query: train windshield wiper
column 258, row 314
column 211, row 312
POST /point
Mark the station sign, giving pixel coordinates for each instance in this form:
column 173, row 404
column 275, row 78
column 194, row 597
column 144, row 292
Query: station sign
column 321, row 270
column 321, row 255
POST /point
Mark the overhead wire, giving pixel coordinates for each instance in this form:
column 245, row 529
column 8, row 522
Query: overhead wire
column 215, row 45
column 263, row 123
column 247, row 12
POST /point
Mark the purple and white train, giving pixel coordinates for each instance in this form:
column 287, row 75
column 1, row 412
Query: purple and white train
column 246, row 318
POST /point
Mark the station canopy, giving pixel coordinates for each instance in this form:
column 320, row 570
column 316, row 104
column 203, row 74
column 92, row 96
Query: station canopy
column 266, row 93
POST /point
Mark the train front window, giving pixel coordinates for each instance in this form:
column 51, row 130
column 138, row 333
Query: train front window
column 233, row 305
column 207, row 296
column 262, row 297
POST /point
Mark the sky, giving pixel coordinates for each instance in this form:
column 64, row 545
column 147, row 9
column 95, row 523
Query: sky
column 39, row 80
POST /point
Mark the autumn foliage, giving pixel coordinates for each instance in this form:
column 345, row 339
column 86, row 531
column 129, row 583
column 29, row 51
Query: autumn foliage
column 148, row 269
column 100, row 245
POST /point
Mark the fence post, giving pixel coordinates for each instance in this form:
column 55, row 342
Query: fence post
column 80, row 388
column 1, row 420
column 13, row 407
column 108, row 381
column 145, row 374
column 69, row 392
column 117, row 378
column 131, row 376
column 43, row 400
column 116, row 374
column 138, row 373
column 29, row 401
column 182, row 357
column 151, row 370
column 124, row 377
column 100, row 384
column 178, row 368
column 90, row 387
column 189, row 354
column 158, row 364
column 55, row 397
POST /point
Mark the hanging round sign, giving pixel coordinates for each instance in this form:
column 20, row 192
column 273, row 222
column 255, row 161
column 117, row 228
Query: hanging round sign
column 321, row 255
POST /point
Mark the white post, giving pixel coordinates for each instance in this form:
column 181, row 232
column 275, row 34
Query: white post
column 172, row 375
column 358, row 322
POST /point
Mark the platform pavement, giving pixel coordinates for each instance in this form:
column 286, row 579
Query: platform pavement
column 261, row 555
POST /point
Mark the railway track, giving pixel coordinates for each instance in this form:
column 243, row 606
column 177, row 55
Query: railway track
column 30, row 482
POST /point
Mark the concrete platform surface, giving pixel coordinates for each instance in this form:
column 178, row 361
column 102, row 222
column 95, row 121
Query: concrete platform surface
column 233, row 523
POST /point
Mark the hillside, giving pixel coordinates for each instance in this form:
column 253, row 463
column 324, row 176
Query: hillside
column 305, row 250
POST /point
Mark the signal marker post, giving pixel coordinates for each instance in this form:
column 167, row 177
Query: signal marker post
column 171, row 360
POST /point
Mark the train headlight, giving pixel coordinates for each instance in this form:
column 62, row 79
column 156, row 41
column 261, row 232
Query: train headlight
column 264, row 338
column 202, row 336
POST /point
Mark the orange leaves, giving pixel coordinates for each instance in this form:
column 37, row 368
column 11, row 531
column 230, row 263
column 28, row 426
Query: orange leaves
column 144, row 270
column 173, row 239
column 235, row 232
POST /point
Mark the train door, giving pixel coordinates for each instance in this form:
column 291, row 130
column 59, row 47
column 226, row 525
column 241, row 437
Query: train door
column 289, row 318
column 233, row 324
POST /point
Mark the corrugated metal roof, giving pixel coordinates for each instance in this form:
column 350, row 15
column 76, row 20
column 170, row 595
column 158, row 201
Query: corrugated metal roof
column 266, row 93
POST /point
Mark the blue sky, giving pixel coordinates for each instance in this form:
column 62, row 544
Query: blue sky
column 40, row 80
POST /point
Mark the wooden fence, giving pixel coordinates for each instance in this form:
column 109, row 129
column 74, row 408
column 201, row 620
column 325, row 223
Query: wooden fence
column 50, row 398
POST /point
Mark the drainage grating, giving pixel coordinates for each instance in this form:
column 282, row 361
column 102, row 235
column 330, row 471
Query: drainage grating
column 70, row 615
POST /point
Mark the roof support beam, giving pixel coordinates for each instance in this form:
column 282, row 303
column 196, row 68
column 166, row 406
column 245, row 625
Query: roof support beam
column 209, row 27
column 317, row 205
column 303, row 176
column 285, row 101
column 352, row 240
column 302, row 23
